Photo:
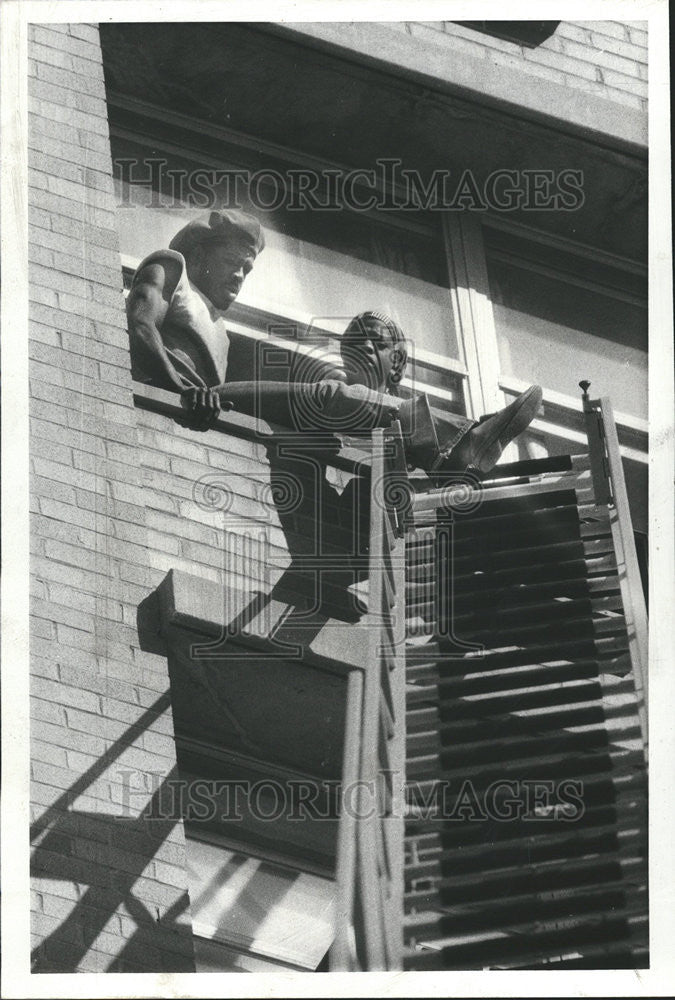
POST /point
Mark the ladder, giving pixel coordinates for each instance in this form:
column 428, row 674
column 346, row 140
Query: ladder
column 506, row 640
column 526, row 828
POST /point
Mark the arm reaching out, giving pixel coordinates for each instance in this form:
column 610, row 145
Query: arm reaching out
column 147, row 306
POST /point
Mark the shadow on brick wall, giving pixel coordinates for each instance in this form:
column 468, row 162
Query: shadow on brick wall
column 325, row 529
column 126, row 919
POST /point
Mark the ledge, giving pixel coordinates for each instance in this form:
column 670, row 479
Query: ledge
column 353, row 455
column 260, row 623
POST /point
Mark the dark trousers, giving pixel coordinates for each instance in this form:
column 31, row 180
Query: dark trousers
column 329, row 406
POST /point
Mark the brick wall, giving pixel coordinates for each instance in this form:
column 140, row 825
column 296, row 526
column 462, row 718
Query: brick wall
column 604, row 58
column 121, row 495
column 109, row 885
column 205, row 493
column 211, row 511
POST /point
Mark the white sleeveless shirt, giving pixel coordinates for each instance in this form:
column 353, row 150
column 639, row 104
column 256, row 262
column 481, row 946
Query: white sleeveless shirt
column 193, row 331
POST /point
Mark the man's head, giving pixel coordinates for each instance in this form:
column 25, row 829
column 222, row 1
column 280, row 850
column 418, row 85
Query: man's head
column 374, row 352
column 219, row 252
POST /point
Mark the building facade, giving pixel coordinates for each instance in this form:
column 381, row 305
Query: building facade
column 484, row 184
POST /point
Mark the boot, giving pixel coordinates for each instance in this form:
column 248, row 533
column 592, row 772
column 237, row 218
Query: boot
column 419, row 433
column 481, row 447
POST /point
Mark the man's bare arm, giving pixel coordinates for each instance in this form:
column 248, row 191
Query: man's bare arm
column 147, row 306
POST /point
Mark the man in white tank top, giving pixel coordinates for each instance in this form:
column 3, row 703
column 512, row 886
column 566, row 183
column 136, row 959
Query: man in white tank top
column 178, row 298
column 179, row 341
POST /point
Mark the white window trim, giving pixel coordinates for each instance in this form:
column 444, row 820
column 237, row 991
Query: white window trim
column 472, row 312
column 513, row 387
column 581, row 250
column 204, row 932
column 243, row 943
column 486, row 388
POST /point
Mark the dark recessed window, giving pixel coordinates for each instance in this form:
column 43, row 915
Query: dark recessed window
column 530, row 33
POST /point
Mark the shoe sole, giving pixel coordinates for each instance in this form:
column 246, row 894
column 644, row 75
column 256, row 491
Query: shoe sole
column 521, row 418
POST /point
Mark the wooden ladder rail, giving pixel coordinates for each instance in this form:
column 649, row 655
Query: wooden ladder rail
column 610, row 489
column 369, row 917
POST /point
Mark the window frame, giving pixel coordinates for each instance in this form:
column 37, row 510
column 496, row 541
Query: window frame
column 485, row 387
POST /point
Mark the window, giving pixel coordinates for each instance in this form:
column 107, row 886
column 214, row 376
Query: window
column 318, row 270
column 555, row 331
column 529, row 33
column 561, row 314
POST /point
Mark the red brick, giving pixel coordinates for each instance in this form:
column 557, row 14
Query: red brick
column 73, row 616
column 60, row 736
column 47, row 752
column 63, row 77
column 80, row 213
column 54, row 531
column 42, row 667
column 89, row 32
column 65, row 60
column 68, row 98
column 47, row 711
column 64, row 694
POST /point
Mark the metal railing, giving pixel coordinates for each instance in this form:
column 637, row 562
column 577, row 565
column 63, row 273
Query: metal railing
column 369, row 915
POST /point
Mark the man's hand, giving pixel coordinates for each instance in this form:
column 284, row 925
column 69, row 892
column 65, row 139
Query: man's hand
column 204, row 406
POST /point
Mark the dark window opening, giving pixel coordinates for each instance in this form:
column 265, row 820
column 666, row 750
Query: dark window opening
column 529, row 33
